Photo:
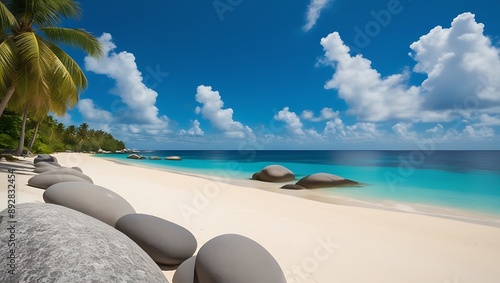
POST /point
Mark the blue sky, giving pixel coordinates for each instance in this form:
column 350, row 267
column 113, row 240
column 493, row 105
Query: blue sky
column 309, row 74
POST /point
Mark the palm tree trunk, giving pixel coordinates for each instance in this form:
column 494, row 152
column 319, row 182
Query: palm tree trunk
column 34, row 136
column 6, row 99
column 20, row 147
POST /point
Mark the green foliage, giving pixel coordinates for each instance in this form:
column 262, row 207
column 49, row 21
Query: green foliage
column 9, row 157
column 55, row 137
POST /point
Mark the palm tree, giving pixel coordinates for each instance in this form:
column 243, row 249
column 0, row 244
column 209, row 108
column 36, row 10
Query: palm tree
column 31, row 62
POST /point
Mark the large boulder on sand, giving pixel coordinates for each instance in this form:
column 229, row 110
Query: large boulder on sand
column 292, row 187
column 274, row 173
column 42, row 169
column 185, row 272
column 167, row 243
column 236, row 259
column 324, row 180
column 44, row 181
column 68, row 171
column 90, row 199
column 57, row 244
column 45, row 158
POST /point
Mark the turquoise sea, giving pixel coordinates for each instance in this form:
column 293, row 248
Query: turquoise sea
column 463, row 180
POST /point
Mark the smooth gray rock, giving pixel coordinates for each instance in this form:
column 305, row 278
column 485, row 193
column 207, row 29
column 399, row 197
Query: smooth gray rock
column 43, row 169
column 57, row 244
column 236, row 259
column 134, row 156
column 185, row 272
column 45, row 158
column 274, row 173
column 77, row 169
column 46, row 163
column 68, row 171
column 47, row 180
column 166, row 242
column 154, row 158
column 324, row 180
column 292, row 187
column 90, row 199
column 175, row 158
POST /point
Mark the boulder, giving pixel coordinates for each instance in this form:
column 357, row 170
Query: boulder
column 45, row 158
column 324, row 180
column 178, row 158
column 57, row 244
column 90, row 199
column 47, row 180
column 154, row 158
column 77, row 169
column 68, row 171
column 46, row 163
column 42, row 169
column 185, row 272
column 292, row 187
column 167, row 243
column 236, row 259
column 134, row 156
column 274, row 173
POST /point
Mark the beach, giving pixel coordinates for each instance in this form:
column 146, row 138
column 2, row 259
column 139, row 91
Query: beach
column 313, row 241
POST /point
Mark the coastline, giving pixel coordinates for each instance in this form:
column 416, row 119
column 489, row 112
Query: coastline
column 313, row 241
column 320, row 195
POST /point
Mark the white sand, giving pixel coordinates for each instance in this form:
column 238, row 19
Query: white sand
column 312, row 241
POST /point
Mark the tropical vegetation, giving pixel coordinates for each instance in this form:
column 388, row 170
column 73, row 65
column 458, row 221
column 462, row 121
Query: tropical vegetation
column 36, row 75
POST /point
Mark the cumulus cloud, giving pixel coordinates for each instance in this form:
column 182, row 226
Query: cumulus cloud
column 221, row 119
column 93, row 114
column 141, row 113
column 291, row 120
column 325, row 114
column 195, row 130
column 313, row 11
column 484, row 132
column 403, row 130
column 370, row 96
column 460, row 63
column 487, row 120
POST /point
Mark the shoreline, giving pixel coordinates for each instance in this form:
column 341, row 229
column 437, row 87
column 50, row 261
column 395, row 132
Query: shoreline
column 446, row 212
column 312, row 241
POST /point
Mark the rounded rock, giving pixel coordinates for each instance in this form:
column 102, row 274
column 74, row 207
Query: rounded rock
column 234, row 258
column 167, row 243
column 72, row 247
column 77, row 169
column 43, row 181
column 93, row 200
column 292, row 187
column 68, row 171
column 324, row 180
column 274, row 173
column 185, row 272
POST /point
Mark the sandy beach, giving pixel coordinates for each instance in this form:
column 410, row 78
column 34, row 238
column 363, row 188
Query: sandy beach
column 312, row 241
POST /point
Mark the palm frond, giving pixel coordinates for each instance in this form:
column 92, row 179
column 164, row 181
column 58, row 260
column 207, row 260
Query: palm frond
column 76, row 38
column 71, row 66
column 43, row 12
column 29, row 52
column 7, row 19
column 8, row 62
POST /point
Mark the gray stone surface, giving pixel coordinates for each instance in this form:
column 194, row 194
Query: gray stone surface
column 134, row 156
column 57, row 244
column 45, row 163
column 42, row 169
column 167, row 243
column 45, row 181
column 154, row 158
column 274, row 173
column 45, row 158
column 77, row 169
column 324, row 180
column 68, row 171
column 90, row 199
column 185, row 272
column 292, row 187
column 236, row 259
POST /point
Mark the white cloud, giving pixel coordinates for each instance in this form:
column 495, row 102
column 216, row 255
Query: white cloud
column 93, row 114
column 484, row 132
column 221, row 119
column 313, row 11
column 141, row 113
column 487, row 120
column 461, row 64
column 195, row 130
column 403, row 130
column 326, row 114
column 370, row 96
column 357, row 132
column 291, row 120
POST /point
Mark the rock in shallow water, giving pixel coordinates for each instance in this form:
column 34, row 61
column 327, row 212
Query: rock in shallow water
column 324, row 180
column 90, row 199
column 57, row 244
column 166, row 242
column 274, row 173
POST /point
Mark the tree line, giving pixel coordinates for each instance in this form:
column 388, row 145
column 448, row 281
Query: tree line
column 51, row 136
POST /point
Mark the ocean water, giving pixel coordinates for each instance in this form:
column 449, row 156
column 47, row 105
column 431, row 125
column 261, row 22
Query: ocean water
column 464, row 180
